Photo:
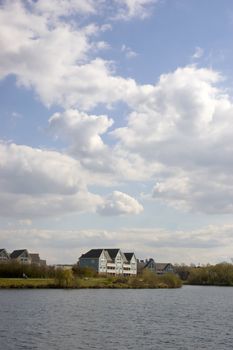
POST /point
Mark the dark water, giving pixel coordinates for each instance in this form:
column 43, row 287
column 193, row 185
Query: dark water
column 187, row 318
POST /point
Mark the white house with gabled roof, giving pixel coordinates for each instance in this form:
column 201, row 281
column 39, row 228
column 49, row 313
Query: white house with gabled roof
column 110, row 261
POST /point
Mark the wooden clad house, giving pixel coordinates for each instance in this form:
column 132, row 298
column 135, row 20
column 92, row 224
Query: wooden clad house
column 21, row 256
column 109, row 261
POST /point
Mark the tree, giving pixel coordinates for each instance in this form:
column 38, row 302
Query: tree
column 64, row 278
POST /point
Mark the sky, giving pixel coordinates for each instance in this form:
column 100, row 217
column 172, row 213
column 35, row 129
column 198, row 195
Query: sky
column 116, row 128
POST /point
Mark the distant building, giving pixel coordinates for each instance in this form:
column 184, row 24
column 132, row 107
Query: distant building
column 21, row 256
column 110, row 261
column 4, row 256
column 64, row 266
column 36, row 260
column 162, row 268
column 159, row 268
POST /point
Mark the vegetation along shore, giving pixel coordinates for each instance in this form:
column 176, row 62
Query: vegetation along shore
column 209, row 275
column 49, row 277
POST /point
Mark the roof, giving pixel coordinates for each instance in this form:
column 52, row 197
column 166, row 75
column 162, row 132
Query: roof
column 16, row 253
column 93, row 253
column 112, row 253
column 149, row 262
column 161, row 266
column 129, row 256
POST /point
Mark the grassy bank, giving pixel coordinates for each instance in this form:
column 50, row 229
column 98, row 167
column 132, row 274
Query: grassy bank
column 27, row 283
column 138, row 282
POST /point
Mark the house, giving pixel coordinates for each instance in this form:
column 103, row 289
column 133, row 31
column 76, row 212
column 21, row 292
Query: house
column 21, row 256
column 118, row 260
column 4, row 256
column 162, row 268
column 130, row 268
column 36, row 260
column 109, row 261
column 150, row 265
column 96, row 259
column 159, row 268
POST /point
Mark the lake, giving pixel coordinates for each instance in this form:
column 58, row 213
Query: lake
column 186, row 318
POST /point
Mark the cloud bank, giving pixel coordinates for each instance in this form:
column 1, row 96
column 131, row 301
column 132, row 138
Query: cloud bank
column 178, row 132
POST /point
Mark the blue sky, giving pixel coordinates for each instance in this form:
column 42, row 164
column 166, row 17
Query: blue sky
column 116, row 128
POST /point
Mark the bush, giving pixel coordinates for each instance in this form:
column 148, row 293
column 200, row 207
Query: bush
column 150, row 278
column 64, row 278
column 220, row 275
column 183, row 271
column 84, row 271
column 171, row 280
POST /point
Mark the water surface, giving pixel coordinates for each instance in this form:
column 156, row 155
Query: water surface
column 105, row 319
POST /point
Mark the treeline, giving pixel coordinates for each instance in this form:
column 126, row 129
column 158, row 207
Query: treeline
column 12, row 274
column 209, row 275
column 14, row 269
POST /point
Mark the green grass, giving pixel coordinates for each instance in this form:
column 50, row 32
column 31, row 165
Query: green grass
column 26, row 283
column 137, row 282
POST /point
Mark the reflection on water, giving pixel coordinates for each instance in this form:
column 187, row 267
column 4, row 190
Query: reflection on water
column 187, row 318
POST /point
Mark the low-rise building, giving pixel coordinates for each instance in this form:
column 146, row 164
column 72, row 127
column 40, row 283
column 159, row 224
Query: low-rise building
column 110, row 261
column 36, row 260
column 159, row 268
column 21, row 256
column 162, row 268
column 4, row 256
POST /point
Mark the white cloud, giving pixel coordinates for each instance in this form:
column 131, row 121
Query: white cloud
column 134, row 8
column 27, row 170
column 82, row 131
column 184, row 123
column 178, row 132
column 64, row 7
column 119, row 203
column 198, row 52
column 129, row 53
column 25, row 222
column 54, row 56
column 84, row 135
column 36, row 183
column 211, row 244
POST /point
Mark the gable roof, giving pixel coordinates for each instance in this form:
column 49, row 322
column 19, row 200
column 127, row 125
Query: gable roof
column 113, row 252
column 16, row 253
column 129, row 256
column 93, row 253
column 161, row 266
column 149, row 262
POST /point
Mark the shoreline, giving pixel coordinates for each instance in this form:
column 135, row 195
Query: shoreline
column 87, row 283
